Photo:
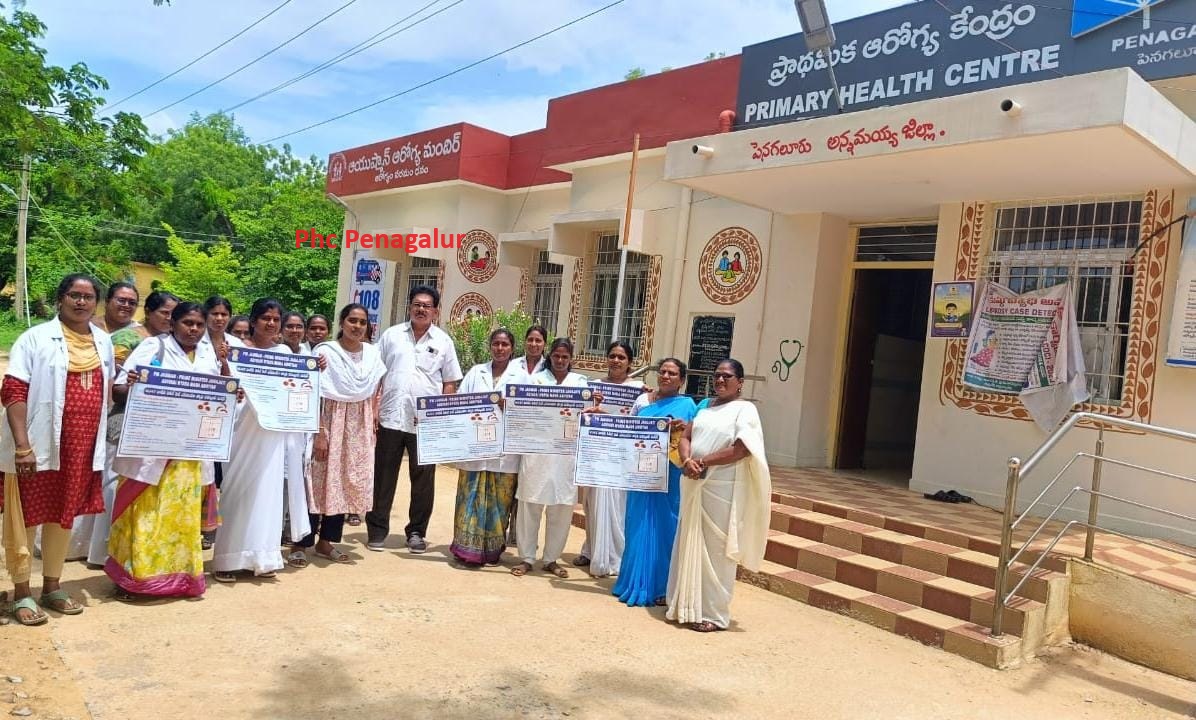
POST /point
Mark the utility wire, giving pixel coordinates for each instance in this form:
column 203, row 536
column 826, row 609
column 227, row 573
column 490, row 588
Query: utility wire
column 449, row 74
column 269, row 52
column 345, row 55
column 201, row 57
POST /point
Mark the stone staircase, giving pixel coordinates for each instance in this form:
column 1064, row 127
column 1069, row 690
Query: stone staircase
column 929, row 584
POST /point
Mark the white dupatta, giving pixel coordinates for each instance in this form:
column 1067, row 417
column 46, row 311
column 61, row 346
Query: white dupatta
column 751, row 500
column 345, row 380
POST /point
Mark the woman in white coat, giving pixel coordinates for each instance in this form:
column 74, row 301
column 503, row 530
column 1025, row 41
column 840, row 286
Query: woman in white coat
column 55, row 393
column 546, row 487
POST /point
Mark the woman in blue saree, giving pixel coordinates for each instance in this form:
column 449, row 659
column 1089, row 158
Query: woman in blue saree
column 651, row 521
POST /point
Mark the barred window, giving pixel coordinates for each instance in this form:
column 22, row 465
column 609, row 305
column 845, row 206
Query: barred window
column 599, row 321
column 546, row 291
column 1089, row 244
column 423, row 271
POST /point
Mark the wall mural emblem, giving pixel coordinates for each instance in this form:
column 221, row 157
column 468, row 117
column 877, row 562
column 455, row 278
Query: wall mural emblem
column 729, row 266
column 477, row 256
column 468, row 305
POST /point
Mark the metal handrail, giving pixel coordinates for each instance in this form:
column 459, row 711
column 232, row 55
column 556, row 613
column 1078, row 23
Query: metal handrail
column 1016, row 471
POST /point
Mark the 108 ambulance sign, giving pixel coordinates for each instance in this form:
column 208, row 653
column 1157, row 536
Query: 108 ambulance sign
column 369, row 282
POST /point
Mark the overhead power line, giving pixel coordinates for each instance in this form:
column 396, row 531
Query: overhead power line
column 449, row 74
column 257, row 59
column 345, row 55
column 201, row 57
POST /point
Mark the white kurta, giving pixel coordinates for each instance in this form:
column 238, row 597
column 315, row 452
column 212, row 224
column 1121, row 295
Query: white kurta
column 723, row 518
column 252, row 496
column 605, row 510
column 548, row 479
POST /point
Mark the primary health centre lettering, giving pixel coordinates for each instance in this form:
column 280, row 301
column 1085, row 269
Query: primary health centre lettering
column 936, row 49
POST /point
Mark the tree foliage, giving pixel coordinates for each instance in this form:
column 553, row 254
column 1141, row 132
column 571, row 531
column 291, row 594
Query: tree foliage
column 198, row 273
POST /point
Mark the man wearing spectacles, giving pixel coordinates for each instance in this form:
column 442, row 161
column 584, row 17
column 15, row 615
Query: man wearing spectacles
column 420, row 359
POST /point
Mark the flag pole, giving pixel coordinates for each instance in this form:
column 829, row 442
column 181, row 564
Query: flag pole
column 624, row 236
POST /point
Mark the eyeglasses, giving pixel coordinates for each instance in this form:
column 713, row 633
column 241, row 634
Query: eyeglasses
column 725, row 376
column 425, row 306
column 81, row 297
column 125, row 302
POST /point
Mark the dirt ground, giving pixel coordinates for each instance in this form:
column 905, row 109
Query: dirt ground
column 410, row 636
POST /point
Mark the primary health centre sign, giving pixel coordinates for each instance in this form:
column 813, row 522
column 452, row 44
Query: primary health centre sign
column 937, row 48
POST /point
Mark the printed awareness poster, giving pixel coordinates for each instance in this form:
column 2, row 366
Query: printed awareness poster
column 543, row 419
column 1181, row 344
column 625, row 453
column 180, row 415
column 1028, row 344
column 455, row 428
column 951, row 310
column 616, row 399
column 284, row 388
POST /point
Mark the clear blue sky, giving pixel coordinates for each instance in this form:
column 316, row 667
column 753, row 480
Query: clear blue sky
column 132, row 43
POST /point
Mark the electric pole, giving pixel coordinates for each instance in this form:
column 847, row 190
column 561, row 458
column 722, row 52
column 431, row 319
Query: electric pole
column 20, row 303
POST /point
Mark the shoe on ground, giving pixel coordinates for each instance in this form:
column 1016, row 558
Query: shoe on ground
column 416, row 544
column 375, row 546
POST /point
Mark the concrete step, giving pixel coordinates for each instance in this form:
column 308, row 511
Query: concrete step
column 968, row 639
column 913, row 586
column 978, row 568
column 943, row 536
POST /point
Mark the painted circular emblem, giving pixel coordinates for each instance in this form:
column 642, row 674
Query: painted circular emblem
column 477, row 256
column 729, row 266
column 468, row 305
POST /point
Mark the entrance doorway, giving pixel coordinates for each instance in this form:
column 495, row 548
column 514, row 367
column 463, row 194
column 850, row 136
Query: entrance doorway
column 886, row 342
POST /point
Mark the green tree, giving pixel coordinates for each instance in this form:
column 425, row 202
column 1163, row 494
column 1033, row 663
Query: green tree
column 79, row 160
column 634, row 73
column 471, row 335
column 197, row 273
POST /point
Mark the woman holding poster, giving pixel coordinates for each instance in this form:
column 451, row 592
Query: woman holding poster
column 651, row 520
column 154, row 547
column 253, row 490
column 546, row 487
column 342, row 458
column 725, row 504
column 486, row 488
column 605, row 508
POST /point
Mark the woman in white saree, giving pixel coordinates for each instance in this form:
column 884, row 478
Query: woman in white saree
column 725, row 503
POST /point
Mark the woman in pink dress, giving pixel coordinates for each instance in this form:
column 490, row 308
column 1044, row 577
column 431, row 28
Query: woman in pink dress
column 342, row 463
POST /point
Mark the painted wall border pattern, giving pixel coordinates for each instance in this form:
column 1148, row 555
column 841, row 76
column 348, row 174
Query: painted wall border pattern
column 1150, row 272
column 525, row 283
column 575, row 296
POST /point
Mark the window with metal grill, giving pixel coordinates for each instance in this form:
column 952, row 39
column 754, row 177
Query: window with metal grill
column 599, row 319
column 896, row 243
column 1088, row 244
column 423, row 271
column 546, row 291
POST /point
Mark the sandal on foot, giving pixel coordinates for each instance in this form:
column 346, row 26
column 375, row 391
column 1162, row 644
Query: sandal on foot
column 224, row 577
column 297, row 559
column 521, row 569
column 125, row 596
column 335, row 556
column 557, row 570
column 59, row 601
column 705, row 626
column 36, row 617
column 268, row 575
column 353, row 520
column 581, row 561
column 661, row 602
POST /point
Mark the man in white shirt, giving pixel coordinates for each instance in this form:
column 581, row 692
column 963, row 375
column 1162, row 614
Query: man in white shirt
column 420, row 360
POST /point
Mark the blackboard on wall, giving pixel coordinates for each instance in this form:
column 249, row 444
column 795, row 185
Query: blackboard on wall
column 709, row 342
